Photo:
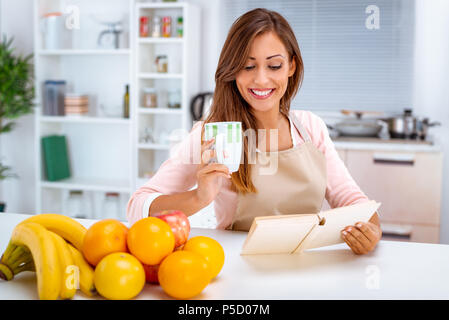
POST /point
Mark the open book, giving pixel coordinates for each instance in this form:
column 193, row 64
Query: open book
column 295, row 233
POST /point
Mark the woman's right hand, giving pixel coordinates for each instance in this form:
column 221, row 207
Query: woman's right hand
column 209, row 175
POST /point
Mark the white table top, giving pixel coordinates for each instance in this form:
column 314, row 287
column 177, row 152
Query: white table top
column 395, row 270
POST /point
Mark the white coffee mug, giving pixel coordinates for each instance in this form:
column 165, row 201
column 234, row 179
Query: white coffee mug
column 228, row 142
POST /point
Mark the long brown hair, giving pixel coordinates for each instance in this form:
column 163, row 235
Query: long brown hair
column 228, row 104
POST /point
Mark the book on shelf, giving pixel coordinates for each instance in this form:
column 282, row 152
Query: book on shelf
column 55, row 157
column 295, row 233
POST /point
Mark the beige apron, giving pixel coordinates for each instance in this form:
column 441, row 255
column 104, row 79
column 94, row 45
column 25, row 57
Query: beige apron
column 298, row 186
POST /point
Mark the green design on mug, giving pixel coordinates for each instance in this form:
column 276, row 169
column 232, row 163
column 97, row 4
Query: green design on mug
column 238, row 132
column 215, row 130
column 229, row 133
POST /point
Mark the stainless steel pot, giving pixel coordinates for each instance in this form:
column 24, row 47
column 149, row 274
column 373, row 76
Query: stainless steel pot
column 406, row 126
column 421, row 127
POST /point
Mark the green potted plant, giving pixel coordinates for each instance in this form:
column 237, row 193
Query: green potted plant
column 16, row 93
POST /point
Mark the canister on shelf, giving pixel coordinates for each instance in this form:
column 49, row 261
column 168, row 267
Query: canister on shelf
column 78, row 205
column 162, row 63
column 166, row 27
column 111, row 206
column 149, row 98
column 54, row 92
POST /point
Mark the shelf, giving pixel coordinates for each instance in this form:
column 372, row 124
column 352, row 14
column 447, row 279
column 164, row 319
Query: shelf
column 153, row 146
column 161, row 40
column 161, row 5
column 72, row 52
column 160, row 75
column 83, row 119
column 160, row 111
column 88, row 184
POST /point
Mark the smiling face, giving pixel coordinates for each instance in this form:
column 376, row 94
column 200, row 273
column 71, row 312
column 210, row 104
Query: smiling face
column 263, row 80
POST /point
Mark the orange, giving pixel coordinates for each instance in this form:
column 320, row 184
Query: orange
column 210, row 249
column 183, row 274
column 119, row 276
column 150, row 240
column 102, row 238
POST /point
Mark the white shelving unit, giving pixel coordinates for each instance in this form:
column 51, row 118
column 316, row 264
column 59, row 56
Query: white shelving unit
column 106, row 154
column 74, row 52
column 100, row 147
column 183, row 64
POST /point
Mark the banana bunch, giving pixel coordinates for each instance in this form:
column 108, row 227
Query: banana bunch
column 50, row 245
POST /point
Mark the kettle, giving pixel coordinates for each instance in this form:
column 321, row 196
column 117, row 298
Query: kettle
column 200, row 105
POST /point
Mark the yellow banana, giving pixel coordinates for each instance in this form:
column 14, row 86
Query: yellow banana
column 69, row 275
column 86, row 272
column 68, row 228
column 14, row 260
column 39, row 241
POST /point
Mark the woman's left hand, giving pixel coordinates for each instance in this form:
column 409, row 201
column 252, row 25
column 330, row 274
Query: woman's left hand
column 362, row 237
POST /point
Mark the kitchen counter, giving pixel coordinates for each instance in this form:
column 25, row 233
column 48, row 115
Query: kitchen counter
column 395, row 270
column 401, row 145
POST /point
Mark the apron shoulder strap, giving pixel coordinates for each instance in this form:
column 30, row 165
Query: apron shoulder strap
column 298, row 125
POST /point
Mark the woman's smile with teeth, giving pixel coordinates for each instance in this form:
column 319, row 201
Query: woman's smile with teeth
column 261, row 93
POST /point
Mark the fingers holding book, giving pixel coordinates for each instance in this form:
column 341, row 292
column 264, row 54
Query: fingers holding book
column 362, row 237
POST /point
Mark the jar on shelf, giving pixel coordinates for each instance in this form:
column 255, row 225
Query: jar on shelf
column 156, row 27
column 174, row 99
column 162, row 63
column 77, row 205
column 111, row 206
column 149, row 98
column 143, row 28
column 179, row 27
column 166, row 27
column 147, row 136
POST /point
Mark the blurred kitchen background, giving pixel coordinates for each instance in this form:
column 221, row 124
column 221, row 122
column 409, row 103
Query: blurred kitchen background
column 119, row 82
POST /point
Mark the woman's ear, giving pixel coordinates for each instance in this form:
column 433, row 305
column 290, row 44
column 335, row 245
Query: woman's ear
column 292, row 69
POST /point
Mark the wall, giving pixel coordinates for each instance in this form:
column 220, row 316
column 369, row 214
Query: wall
column 432, row 83
column 17, row 147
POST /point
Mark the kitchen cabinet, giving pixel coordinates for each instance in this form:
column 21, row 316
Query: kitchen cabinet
column 407, row 183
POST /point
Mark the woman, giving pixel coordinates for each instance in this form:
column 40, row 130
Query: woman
column 259, row 71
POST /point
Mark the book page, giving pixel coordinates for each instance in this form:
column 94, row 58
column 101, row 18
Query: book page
column 336, row 220
column 277, row 235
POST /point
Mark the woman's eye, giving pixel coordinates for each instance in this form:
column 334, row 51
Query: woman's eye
column 271, row 67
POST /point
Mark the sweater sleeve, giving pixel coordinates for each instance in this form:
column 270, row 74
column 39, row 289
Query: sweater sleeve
column 341, row 189
column 176, row 174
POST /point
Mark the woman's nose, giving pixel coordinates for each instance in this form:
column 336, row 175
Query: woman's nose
column 261, row 77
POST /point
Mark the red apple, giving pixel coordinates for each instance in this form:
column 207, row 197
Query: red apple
column 151, row 273
column 179, row 224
